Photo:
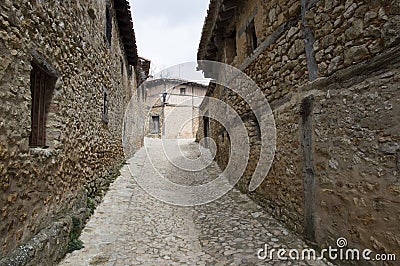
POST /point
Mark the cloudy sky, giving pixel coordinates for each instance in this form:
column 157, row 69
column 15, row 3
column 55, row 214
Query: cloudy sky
column 168, row 31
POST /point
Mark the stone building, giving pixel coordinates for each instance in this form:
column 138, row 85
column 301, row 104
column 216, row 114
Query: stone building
column 67, row 72
column 330, row 71
column 173, row 108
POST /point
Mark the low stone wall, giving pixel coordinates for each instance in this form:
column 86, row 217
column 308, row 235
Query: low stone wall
column 50, row 244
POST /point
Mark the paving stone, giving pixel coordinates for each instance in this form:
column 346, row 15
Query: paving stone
column 131, row 227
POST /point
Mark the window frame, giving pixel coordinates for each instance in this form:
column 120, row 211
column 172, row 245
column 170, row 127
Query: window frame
column 42, row 84
column 108, row 25
column 153, row 129
column 105, row 117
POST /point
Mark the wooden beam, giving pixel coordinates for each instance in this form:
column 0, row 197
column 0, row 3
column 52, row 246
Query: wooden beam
column 226, row 15
column 123, row 18
column 120, row 9
column 229, row 5
column 125, row 28
column 229, row 28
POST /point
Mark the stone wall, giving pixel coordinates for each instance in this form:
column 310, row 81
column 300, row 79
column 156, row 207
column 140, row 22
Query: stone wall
column 356, row 150
column 40, row 185
column 321, row 65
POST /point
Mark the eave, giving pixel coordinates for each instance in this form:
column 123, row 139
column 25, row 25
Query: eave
column 127, row 33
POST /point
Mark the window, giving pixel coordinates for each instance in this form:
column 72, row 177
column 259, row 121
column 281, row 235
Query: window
column 251, row 38
column 108, row 25
column 183, row 91
column 155, row 124
column 122, row 66
column 206, row 128
column 42, row 86
column 105, row 107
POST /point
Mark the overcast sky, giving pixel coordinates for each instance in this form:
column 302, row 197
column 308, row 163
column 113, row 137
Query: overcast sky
column 168, row 31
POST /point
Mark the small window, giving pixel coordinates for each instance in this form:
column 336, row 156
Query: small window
column 155, row 124
column 105, row 107
column 183, row 91
column 122, row 66
column 42, row 86
column 108, row 25
column 251, row 38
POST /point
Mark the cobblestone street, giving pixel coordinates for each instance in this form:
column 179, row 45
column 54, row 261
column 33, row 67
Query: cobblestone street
column 207, row 132
column 131, row 227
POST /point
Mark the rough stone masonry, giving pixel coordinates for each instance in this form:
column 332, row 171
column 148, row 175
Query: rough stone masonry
column 330, row 71
column 67, row 71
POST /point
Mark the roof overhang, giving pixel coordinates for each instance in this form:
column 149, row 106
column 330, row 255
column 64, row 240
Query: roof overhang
column 219, row 23
column 127, row 33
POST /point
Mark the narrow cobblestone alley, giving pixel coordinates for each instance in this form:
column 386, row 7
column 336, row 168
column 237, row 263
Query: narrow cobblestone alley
column 207, row 132
column 131, row 227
